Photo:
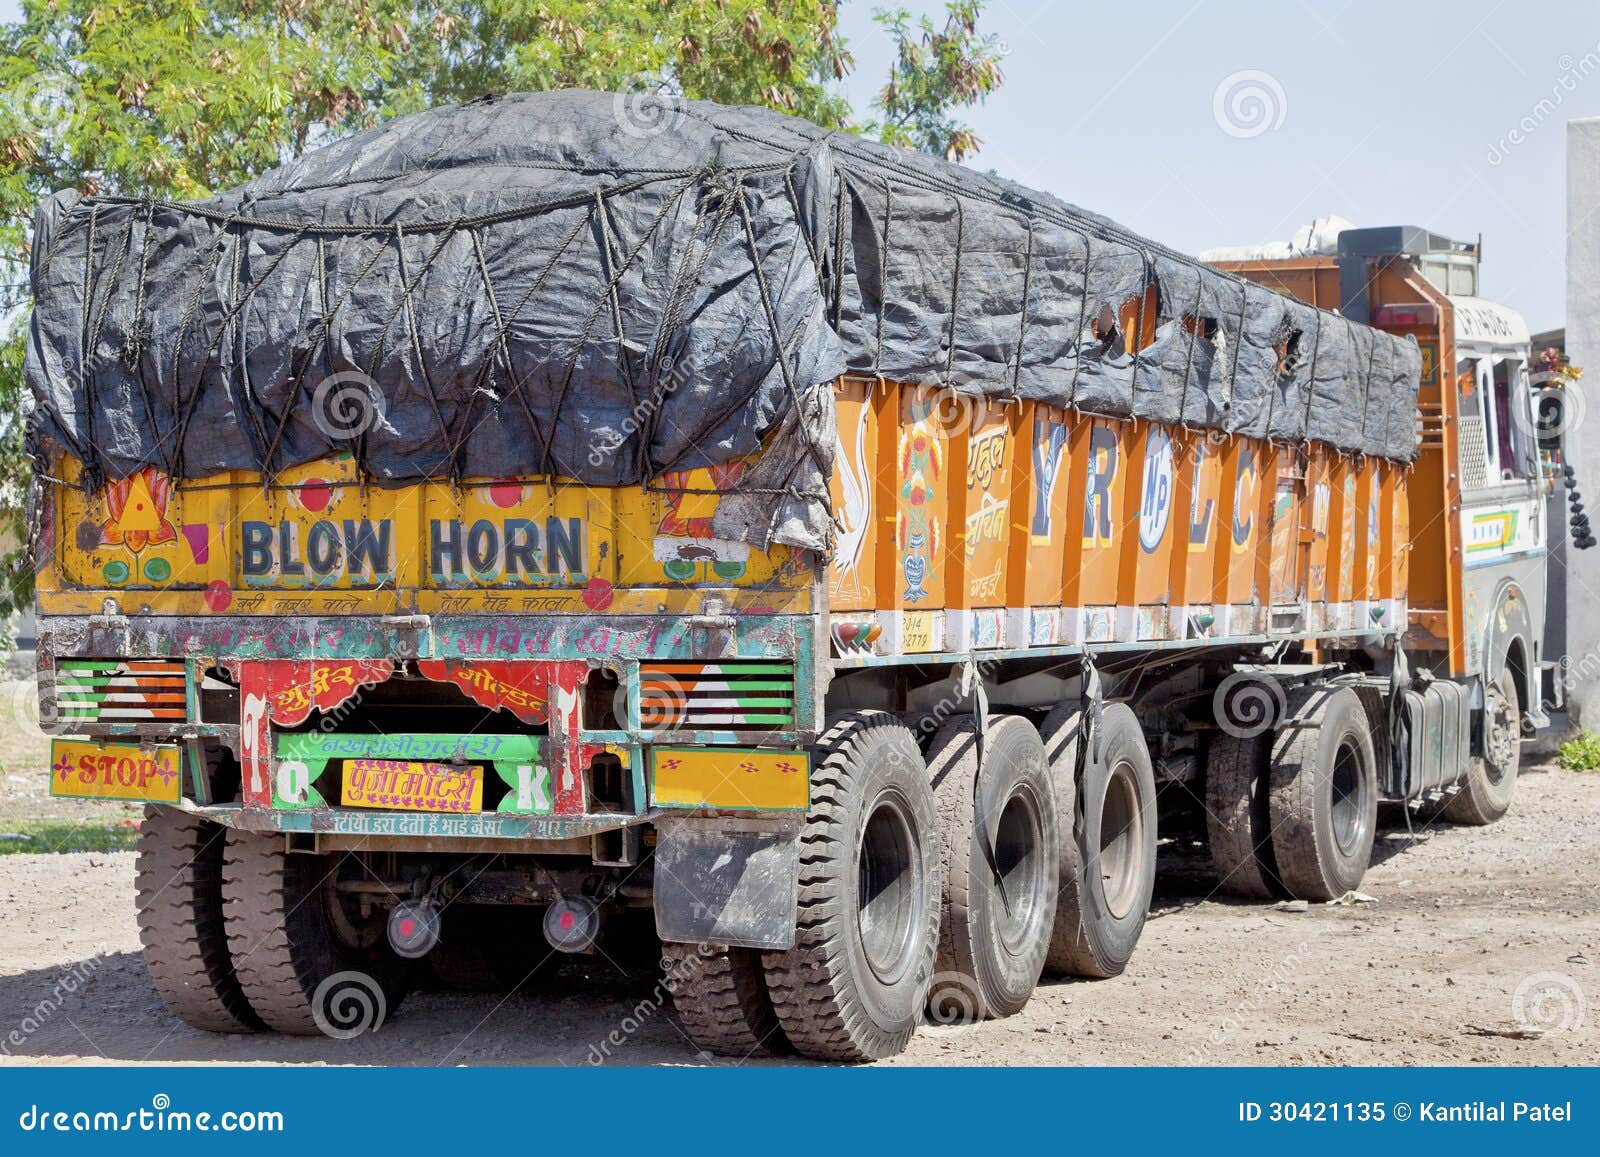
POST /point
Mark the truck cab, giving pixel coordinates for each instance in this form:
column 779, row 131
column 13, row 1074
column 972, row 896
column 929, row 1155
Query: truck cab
column 1477, row 491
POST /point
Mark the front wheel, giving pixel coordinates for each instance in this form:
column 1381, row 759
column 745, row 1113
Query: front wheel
column 1491, row 780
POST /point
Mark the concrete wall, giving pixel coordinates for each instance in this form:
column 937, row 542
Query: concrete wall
column 1583, row 432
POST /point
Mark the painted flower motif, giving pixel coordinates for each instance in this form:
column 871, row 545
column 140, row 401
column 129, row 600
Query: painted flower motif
column 138, row 508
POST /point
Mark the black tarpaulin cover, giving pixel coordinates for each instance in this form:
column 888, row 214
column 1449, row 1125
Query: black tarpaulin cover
column 609, row 289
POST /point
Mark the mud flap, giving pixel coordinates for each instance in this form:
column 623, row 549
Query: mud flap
column 722, row 880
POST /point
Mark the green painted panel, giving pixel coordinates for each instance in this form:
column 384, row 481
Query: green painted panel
column 532, row 787
column 428, row 747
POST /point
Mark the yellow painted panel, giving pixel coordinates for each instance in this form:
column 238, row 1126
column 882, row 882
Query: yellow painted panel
column 406, row 785
column 730, row 779
column 318, row 541
column 83, row 769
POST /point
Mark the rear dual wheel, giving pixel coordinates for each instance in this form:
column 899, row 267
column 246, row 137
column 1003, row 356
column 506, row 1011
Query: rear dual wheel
column 307, row 959
column 239, row 935
column 720, row 993
column 1323, row 794
column 1108, row 869
column 1239, row 815
column 178, row 892
column 854, row 985
column 1001, row 849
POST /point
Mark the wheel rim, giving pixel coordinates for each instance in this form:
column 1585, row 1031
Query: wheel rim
column 888, row 891
column 1019, row 872
column 1349, row 798
column 1121, row 841
column 344, row 916
column 1500, row 743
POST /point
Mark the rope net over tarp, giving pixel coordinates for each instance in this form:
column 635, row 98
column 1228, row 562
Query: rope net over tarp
column 610, row 289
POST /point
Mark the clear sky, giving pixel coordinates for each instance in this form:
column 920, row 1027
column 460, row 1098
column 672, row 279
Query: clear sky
column 1385, row 113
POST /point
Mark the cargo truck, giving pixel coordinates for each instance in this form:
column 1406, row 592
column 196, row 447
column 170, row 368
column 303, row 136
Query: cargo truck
column 543, row 510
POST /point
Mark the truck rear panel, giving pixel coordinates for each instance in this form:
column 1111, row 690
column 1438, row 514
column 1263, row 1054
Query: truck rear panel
column 382, row 659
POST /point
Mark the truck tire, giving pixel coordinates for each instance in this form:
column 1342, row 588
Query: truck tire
column 1001, row 852
column 1239, row 815
column 304, row 968
column 854, row 985
column 1060, row 734
column 1323, row 794
column 1098, row 920
column 721, row 997
column 178, row 892
column 1484, row 794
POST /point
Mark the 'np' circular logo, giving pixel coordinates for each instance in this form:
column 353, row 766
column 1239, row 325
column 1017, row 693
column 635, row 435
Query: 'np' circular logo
column 1155, row 508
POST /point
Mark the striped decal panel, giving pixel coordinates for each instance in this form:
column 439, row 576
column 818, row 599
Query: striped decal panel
column 114, row 690
column 733, row 695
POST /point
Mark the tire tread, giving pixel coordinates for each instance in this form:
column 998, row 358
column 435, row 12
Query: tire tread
column 178, row 894
column 1238, row 825
column 810, row 987
column 721, row 997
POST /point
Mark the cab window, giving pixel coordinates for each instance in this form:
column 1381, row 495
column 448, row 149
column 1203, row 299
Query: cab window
column 1497, row 443
column 1515, row 454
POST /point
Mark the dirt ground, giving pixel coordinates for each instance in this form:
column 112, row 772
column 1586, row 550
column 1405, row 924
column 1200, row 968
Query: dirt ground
column 1478, row 940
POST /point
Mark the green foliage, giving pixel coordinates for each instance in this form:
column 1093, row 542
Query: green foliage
column 935, row 72
column 180, row 98
column 1581, row 752
column 780, row 53
column 44, row 836
column 172, row 98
